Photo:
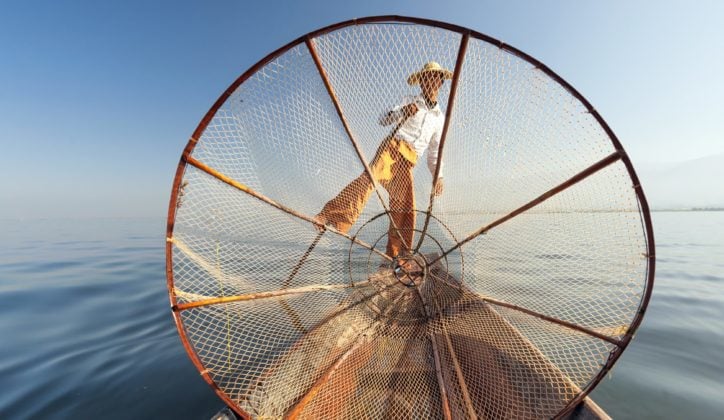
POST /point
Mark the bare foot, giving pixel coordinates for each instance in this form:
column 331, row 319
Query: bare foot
column 320, row 222
column 410, row 266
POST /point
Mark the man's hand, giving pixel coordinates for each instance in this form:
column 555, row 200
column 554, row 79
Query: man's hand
column 409, row 110
column 439, row 186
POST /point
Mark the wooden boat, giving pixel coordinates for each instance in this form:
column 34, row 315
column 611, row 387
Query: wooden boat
column 402, row 362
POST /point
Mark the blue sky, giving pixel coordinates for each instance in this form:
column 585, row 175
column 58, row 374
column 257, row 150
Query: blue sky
column 97, row 99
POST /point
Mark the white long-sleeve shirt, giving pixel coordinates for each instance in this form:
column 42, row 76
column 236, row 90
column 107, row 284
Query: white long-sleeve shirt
column 421, row 131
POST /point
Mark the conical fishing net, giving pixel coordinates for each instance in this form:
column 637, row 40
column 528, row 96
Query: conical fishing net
column 516, row 288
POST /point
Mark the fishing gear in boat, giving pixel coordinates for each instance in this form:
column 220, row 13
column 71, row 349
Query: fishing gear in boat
column 491, row 256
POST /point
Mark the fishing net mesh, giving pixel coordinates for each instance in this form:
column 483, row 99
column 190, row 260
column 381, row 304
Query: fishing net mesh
column 512, row 322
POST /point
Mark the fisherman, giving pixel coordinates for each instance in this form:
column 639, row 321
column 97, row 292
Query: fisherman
column 419, row 126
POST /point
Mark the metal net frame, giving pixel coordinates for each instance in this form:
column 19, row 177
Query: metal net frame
column 527, row 277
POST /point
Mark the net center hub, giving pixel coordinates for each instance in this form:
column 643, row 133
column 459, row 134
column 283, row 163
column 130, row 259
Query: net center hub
column 410, row 270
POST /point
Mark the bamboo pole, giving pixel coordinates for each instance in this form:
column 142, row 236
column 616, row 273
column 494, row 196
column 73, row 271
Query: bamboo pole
column 229, row 181
column 319, row 383
column 302, row 260
column 294, row 411
column 456, row 364
column 264, row 295
column 440, row 380
column 335, row 100
column 297, row 344
column 608, row 160
column 443, row 136
column 554, row 320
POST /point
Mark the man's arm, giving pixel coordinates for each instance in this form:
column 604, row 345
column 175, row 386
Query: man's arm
column 398, row 113
column 433, row 152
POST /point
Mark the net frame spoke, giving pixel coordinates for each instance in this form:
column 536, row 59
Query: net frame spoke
column 443, row 136
column 451, row 351
column 308, row 396
column 549, row 318
column 266, row 295
column 302, row 260
column 601, row 164
column 447, row 415
column 309, row 41
column 241, row 187
column 296, row 409
column 321, row 323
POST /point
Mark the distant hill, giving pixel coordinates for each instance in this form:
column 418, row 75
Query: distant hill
column 696, row 183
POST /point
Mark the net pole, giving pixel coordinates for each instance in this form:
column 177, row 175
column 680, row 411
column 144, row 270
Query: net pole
column 302, row 260
column 316, row 327
column 608, row 160
column 294, row 411
column 227, row 180
column 443, row 136
column 323, row 74
column 322, row 380
column 440, row 380
column 265, row 295
column 453, row 356
column 555, row 321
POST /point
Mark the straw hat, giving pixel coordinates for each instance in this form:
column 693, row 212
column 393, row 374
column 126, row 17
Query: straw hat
column 430, row 67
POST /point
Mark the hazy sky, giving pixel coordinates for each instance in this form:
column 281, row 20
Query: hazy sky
column 97, row 99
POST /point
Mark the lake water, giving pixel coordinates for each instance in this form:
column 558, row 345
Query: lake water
column 86, row 328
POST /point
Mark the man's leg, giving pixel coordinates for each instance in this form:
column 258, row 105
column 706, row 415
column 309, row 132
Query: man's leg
column 402, row 208
column 343, row 210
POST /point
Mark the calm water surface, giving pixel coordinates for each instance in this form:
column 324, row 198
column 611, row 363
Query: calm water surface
column 86, row 328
